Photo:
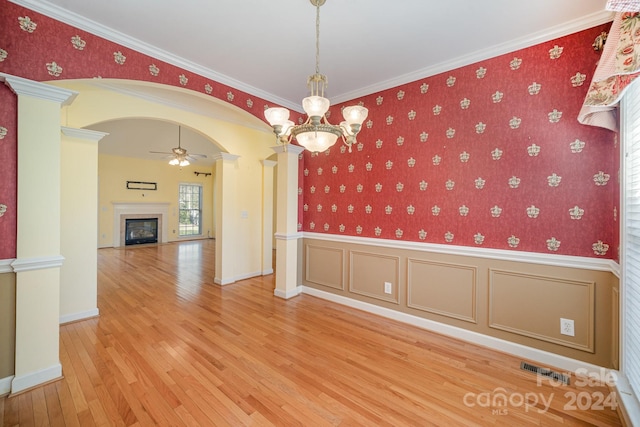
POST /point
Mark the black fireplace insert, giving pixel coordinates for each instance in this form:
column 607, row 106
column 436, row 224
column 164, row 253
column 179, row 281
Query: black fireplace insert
column 140, row 231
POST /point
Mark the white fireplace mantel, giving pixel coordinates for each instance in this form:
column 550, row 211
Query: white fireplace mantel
column 124, row 210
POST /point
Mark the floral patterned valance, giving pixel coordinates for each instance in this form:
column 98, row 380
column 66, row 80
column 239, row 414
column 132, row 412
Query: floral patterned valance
column 618, row 67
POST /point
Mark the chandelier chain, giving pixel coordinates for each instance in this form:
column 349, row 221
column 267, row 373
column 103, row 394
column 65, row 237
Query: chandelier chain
column 318, row 38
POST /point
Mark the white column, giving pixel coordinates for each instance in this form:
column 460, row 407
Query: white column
column 79, row 224
column 38, row 258
column 267, row 215
column 287, row 234
column 226, row 224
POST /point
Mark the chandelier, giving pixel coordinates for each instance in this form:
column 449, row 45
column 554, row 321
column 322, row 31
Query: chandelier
column 316, row 134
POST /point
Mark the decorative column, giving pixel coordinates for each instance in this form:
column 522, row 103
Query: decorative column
column 79, row 224
column 225, row 217
column 267, row 214
column 38, row 258
column 287, row 235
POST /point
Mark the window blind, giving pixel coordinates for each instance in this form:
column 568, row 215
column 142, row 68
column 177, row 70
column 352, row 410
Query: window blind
column 631, row 236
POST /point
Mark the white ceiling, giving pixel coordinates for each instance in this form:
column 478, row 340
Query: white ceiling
column 267, row 48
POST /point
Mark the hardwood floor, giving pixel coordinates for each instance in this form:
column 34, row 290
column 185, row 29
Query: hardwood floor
column 171, row 348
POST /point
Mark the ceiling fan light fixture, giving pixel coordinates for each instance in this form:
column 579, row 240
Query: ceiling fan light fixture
column 316, row 134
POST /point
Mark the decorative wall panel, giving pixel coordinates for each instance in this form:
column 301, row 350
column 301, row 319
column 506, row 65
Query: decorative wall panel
column 532, row 305
column 440, row 288
column 369, row 272
column 325, row 266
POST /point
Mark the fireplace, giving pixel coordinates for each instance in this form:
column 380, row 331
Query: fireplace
column 139, row 231
column 123, row 211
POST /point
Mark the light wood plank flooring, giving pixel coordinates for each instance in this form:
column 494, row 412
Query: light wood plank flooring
column 171, row 348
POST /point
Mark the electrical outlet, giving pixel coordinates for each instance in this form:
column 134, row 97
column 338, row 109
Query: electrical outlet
column 388, row 287
column 567, row 327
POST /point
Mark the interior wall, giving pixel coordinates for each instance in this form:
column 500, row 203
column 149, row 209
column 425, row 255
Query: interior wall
column 115, row 171
column 516, row 301
column 489, row 155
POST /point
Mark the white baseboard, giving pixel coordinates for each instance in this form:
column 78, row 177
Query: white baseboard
column 288, row 294
column 5, row 385
column 267, row 271
column 74, row 317
column 550, row 359
column 32, row 379
column 223, row 282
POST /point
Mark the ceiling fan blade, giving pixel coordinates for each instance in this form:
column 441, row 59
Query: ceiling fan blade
column 202, row 156
column 159, row 152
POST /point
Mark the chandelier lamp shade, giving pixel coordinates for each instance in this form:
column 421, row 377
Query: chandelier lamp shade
column 316, row 134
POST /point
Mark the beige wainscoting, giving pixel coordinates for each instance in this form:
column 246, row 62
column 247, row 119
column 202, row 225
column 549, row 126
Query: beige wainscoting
column 489, row 292
column 530, row 304
column 7, row 324
column 369, row 271
column 431, row 284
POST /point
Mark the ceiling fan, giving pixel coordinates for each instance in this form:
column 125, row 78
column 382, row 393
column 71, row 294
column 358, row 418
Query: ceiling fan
column 179, row 155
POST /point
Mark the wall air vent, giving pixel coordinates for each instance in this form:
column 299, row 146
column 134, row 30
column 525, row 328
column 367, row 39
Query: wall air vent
column 548, row 373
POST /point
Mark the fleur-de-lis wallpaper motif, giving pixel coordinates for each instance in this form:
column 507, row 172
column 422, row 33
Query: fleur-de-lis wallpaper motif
column 399, row 187
column 533, row 150
column 534, row 88
column 3, row 209
column 554, row 180
column 334, row 169
column 230, row 96
column 424, row 88
column 448, row 237
column 496, row 154
column 578, row 79
column 183, row 80
column 379, row 100
column 553, row 244
column 412, row 115
column 350, row 208
column 78, row 43
column 514, row 182
column 3, row 55
column 496, row 211
column 481, row 72
column 154, row 70
column 515, row 63
column 3, row 132
column 26, row 24
column 464, row 104
column 576, row 212
column 555, row 116
column 514, row 123
column 600, row 248
column 513, row 241
column 451, row 80
column 478, row 239
column 249, row 102
column 400, row 95
column 119, row 58
column 533, row 212
column 54, row 69
column 400, row 141
column 577, row 146
column 555, row 52
column 422, row 234
column 601, row 178
column 424, row 136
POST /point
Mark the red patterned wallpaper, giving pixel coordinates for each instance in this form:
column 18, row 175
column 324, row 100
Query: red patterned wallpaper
column 8, row 173
column 489, row 155
column 420, row 139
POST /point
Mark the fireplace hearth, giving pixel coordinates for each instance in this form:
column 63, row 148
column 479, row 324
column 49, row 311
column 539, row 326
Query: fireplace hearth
column 140, row 231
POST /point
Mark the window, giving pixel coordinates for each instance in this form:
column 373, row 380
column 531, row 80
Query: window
column 631, row 237
column 190, row 202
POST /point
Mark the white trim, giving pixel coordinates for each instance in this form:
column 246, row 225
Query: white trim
column 284, row 148
column 5, row 265
column 21, row 86
column 290, row 293
column 93, row 27
column 629, row 405
column 583, row 263
column 83, row 315
column 86, row 134
column 235, row 279
column 35, row 378
column 554, row 360
column 225, row 156
column 564, row 29
column 285, row 236
column 267, row 271
column 5, row 385
column 269, row 163
column 37, row 263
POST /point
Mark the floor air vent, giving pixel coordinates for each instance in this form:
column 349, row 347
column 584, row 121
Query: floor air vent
column 564, row 379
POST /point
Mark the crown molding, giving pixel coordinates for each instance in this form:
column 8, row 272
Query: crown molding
column 87, row 134
column 562, row 30
column 22, row 86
